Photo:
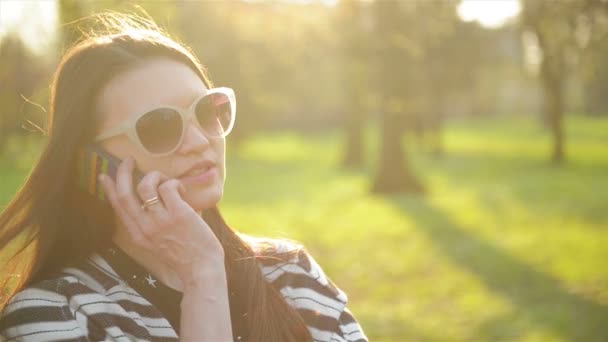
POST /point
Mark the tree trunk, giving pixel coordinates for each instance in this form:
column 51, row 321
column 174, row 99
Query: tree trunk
column 552, row 80
column 438, row 147
column 553, row 98
column 436, row 116
column 395, row 84
column 354, row 75
column 393, row 174
column 353, row 155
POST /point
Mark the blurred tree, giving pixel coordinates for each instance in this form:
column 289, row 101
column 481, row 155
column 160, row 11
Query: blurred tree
column 595, row 78
column 246, row 55
column 396, row 78
column 20, row 72
column 433, row 29
column 592, row 38
column 557, row 27
column 552, row 23
column 69, row 12
column 353, row 41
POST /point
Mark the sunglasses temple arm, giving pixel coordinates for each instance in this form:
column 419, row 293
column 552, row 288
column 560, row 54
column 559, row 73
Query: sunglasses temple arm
column 120, row 129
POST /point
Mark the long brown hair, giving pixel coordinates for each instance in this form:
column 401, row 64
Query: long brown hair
column 54, row 223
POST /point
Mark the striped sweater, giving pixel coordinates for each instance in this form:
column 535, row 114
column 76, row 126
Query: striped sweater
column 94, row 302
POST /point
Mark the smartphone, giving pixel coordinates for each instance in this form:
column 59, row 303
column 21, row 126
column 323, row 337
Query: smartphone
column 93, row 161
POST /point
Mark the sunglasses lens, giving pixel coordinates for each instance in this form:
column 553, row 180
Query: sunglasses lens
column 159, row 130
column 214, row 113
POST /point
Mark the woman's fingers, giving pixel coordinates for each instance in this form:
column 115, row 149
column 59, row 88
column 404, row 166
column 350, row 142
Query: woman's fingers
column 124, row 189
column 129, row 222
column 170, row 193
column 129, row 201
column 148, row 190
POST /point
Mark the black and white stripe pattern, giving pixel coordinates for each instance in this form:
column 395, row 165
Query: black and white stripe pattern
column 92, row 303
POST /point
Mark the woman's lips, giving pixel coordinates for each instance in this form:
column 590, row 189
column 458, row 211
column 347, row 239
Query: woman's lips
column 200, row 176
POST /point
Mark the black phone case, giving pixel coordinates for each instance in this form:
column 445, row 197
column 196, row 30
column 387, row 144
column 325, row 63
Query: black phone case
column 94, row 161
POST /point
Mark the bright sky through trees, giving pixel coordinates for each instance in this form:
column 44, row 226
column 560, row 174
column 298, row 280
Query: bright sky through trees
column 35, row 20
column 489, row 13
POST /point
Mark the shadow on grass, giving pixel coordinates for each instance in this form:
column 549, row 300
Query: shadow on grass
column 544, row 188
column 538, row 298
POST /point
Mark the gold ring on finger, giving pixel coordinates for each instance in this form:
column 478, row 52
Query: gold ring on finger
column 149, row 202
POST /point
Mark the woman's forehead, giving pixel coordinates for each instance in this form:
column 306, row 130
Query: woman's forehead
column 148, row 85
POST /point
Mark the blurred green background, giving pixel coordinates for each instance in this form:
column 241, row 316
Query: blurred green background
column 446, row 162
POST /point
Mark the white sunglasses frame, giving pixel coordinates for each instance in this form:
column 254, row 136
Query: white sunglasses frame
column 128, row 126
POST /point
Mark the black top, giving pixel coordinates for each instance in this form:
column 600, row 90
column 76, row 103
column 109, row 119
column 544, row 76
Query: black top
column 166, row 299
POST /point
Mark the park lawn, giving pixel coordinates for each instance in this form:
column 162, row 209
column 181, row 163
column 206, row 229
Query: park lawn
column 503, row 246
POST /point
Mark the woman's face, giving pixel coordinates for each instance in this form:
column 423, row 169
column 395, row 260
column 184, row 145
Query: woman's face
column 157, row 83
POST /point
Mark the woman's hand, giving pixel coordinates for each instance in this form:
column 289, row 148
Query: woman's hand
column 179, row 236
column 170, row 229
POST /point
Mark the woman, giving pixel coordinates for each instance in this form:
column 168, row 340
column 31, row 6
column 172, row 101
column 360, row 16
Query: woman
column 154, row 260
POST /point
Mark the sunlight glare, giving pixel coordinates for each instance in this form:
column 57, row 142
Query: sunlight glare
column 34, row 21
column 489, row 13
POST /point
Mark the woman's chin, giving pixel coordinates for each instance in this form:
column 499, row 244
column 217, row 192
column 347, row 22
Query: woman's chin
column 201, row 199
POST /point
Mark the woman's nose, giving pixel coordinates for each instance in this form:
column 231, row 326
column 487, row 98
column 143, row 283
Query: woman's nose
column 194, row 140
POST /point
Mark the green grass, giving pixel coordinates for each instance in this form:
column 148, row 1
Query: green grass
column 504, row 245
